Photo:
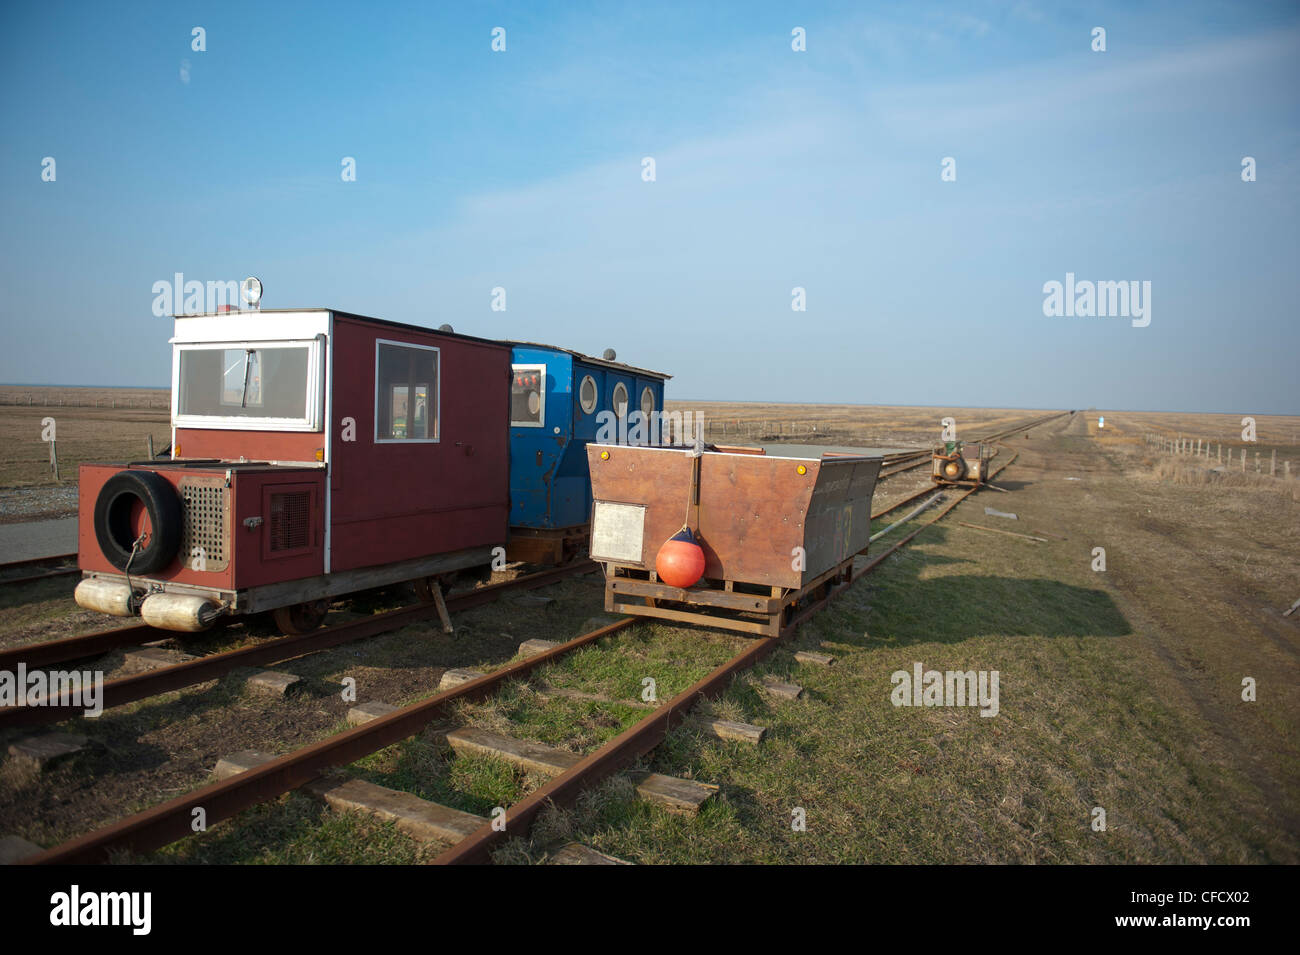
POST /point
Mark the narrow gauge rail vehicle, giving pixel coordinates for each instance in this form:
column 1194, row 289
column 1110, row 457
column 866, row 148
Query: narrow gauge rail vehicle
column 317, row 453
column 961, row 463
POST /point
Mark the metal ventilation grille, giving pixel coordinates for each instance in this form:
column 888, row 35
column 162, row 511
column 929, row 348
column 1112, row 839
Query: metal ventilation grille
column 204, row 541
column 291, row 520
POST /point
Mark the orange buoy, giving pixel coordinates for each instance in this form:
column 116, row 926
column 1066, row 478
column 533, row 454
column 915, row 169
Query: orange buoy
column 680, row 562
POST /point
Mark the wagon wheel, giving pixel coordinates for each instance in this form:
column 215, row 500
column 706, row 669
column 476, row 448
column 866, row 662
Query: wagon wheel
column 301, row 618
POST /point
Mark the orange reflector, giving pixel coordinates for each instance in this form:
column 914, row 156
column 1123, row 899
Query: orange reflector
column 320, row 454
column 604, row 455
column 176, row 451
column 801, row 469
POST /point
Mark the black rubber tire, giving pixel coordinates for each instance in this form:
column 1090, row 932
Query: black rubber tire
column 113, row 510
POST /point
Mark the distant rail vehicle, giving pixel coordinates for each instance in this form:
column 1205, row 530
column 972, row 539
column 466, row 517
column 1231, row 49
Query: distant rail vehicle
column 961, row 463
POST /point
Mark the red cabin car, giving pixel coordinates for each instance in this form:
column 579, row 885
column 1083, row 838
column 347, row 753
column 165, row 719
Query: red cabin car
column 314, row 453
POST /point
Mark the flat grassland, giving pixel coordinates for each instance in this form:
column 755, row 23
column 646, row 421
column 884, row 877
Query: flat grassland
column 1121, row 689
column 90, row 424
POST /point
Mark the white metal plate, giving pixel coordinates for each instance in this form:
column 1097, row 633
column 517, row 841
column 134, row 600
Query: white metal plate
column 617, row 531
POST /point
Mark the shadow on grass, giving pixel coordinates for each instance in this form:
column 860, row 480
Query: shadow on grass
column 900, row 608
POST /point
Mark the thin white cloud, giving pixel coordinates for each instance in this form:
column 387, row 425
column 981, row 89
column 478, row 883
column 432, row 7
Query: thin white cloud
column 1043, row 89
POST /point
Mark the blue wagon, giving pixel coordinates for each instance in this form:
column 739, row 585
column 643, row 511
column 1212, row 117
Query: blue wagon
column 557, row 397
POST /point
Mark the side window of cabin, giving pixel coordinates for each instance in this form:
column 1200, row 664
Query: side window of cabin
column 527, row 396
column 588, row 395
column 406, row 392
column 619, row 400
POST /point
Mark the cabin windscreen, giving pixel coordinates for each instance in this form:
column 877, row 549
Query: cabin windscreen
column 263, row 381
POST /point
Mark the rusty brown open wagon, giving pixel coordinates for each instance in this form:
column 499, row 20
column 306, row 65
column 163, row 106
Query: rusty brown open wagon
column 777, row 532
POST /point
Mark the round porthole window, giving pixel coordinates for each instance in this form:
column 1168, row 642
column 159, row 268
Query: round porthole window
column 588, row 395
column 647, row 402
column 620, row 399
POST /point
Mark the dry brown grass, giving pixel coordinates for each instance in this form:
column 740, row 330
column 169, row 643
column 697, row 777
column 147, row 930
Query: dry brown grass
column 84, row 431
column 860, row 425
column 1182, row 471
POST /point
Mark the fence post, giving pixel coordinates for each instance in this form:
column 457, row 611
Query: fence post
column 1243, row 460
column 1272, row 464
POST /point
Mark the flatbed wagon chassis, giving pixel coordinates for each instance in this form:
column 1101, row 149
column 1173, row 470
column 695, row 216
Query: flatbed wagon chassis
column 727, row 604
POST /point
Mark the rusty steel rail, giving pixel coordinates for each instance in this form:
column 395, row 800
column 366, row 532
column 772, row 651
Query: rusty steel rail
column 75, row 648
column 890, row 472
column 160, row 825
column 624, row 749
column 35, row 578
column 34, row 562
column 141, row 686
column 907, row 500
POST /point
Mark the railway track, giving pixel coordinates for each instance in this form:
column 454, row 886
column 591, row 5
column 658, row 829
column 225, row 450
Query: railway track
column 141, row 686
column 160, row 825
column 926, row 457
column 909, row 461
column 25, row 571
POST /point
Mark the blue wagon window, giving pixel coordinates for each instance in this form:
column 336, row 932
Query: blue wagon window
column 406, row 392
column 588, row 395
column 620, row 399
column 527, row 396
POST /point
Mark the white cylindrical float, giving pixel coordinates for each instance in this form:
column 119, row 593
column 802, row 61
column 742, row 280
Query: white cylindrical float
column 104, row 596
column 179, row 612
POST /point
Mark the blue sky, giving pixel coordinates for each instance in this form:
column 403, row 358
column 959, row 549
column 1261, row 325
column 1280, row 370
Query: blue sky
column 775, row 169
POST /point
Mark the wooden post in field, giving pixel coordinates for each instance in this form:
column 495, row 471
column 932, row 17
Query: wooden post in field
column 1272, row 464
column 1256, row 462
column 1220, row 446
column 1198, row 447
column 151, row 447
column 1287, row 466
column 54, row 462
column 1243, row 460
